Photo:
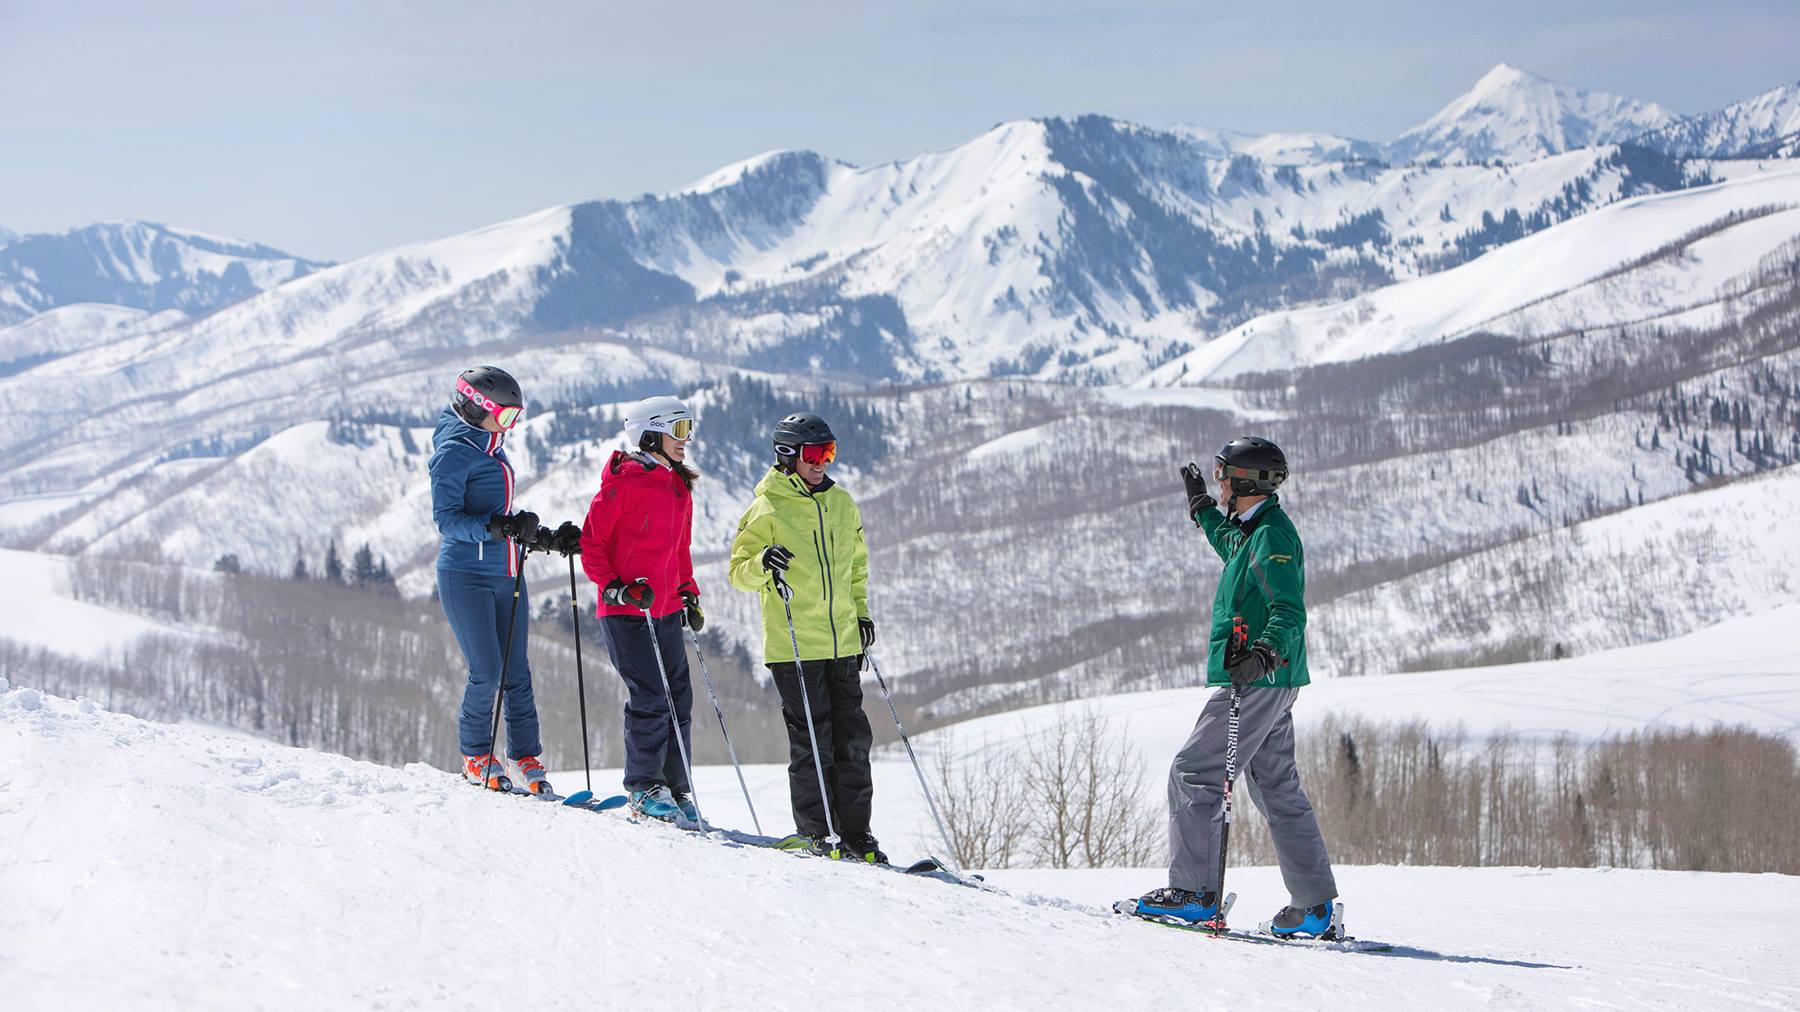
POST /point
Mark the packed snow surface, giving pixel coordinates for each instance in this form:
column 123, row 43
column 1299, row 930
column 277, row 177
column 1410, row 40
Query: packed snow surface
column 157, row 866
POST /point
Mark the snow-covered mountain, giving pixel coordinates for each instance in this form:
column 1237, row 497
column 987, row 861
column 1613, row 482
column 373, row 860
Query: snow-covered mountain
column 1511, row 115
column 1294, row 148
column 140, row 265
column 1767, row 126
column 7, row 235
column 1588, row 272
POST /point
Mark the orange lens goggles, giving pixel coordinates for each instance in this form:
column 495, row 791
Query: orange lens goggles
column 818, row 454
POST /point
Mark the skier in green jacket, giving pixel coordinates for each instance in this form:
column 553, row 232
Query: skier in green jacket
column 802, row 540
column 1256, row 651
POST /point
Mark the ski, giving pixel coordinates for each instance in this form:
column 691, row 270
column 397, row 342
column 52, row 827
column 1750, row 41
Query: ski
column 585, row 800
column 589, row 801
column 1338, row 942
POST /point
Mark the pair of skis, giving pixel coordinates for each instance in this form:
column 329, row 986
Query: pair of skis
column 585, row 800
column 1334, row 938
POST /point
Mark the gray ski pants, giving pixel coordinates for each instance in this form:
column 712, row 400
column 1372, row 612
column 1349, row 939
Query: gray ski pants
column 1265, row 760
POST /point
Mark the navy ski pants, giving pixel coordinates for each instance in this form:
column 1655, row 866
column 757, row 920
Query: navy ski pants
column 479, row 606
column 650, row 754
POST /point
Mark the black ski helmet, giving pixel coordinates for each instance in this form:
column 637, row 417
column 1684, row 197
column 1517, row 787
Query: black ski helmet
column 1254, row 465
column 484, row 391
column 802, row 428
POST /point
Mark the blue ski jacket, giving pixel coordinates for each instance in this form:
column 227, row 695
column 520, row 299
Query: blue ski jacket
column 471, row 482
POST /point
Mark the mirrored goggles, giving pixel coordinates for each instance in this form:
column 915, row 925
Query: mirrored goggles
column 505, row 415
column 818, row 454
column 681, row 428
column 1222, row 471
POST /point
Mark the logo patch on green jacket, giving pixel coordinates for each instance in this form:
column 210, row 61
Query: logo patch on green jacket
column 1275, row 557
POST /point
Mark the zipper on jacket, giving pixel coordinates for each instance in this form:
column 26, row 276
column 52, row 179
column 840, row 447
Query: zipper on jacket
column 830, row 596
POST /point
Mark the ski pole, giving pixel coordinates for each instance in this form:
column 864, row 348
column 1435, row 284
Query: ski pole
column 812, row 736
column 1239, row 634
column 587, row 767
column 512, row 624
column 674, row 721
column 910, row 754
column 714, row 696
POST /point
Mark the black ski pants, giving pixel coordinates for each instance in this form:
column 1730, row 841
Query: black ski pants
column 834, row 692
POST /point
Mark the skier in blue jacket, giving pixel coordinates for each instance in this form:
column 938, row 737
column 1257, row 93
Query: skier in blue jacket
column 472, row 504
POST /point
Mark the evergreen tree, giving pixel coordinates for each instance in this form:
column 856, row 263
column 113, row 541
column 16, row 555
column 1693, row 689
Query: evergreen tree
column 362, row 566
column 228, row 564
column 334, row 567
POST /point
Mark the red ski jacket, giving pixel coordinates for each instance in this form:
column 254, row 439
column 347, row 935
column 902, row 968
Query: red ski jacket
column 640, row 524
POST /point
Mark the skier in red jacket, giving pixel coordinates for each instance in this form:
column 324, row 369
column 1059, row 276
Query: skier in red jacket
column 634, row 546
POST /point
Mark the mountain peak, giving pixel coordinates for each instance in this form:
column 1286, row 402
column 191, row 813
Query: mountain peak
column 1513, row 115
column 1503, row 76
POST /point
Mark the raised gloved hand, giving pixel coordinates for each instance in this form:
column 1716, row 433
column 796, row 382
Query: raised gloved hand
column 691, row 614
column 1198, row 498
column 522, row 525
column 776, row 559
column 1248, row 665
column 866, row 626
column 566, row 539
column 636, row 594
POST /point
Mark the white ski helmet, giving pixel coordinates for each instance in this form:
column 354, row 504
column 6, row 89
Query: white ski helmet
column 647, row 419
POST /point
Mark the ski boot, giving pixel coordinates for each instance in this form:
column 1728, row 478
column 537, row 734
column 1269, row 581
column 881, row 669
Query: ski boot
column 654, row 802
column 1179, row 906
column 817, row 846
column 486, row 771
column 532, row 772
column 1312, row 922
column 685, row 802
column 862, row 848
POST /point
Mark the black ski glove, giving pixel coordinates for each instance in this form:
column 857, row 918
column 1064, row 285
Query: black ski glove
column 1250, row 665
column 690, row 611
column 1199, row 499
column 520, row 525
column 866, row 626
column 636, row 594
column 776, row 559
column 566, row 539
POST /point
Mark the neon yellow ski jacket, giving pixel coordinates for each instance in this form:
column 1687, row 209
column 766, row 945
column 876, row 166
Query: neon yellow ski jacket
column 829, row 574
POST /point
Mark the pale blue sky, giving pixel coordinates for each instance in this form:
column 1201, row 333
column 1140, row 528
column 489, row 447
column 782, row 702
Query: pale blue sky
column 336, row 129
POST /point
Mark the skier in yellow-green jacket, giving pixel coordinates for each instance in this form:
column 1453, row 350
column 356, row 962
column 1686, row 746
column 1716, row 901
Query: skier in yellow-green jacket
column 803, row 536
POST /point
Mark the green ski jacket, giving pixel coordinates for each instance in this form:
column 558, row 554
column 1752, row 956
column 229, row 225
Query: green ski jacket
column 829, row 574
column 1265, row 582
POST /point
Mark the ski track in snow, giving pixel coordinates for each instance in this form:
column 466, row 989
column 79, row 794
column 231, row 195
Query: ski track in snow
column 204, row 871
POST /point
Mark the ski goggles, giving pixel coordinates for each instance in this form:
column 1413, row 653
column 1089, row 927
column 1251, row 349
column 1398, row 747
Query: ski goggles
column 1222, row 471
column 505, row 415
column 681, row 428
column 818, row 454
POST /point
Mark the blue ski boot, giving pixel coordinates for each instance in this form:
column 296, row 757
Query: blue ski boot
column 685, row 802
column 1312, row 922
column 654, row 803
column 1178, row 905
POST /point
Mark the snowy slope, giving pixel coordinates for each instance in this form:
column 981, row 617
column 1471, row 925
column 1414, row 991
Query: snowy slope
column 138, row 264
column 1766, row 126
column 208, row 871
column 1515, row 116
column 74, row 328
column 1512, row 288
column 44, row 614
